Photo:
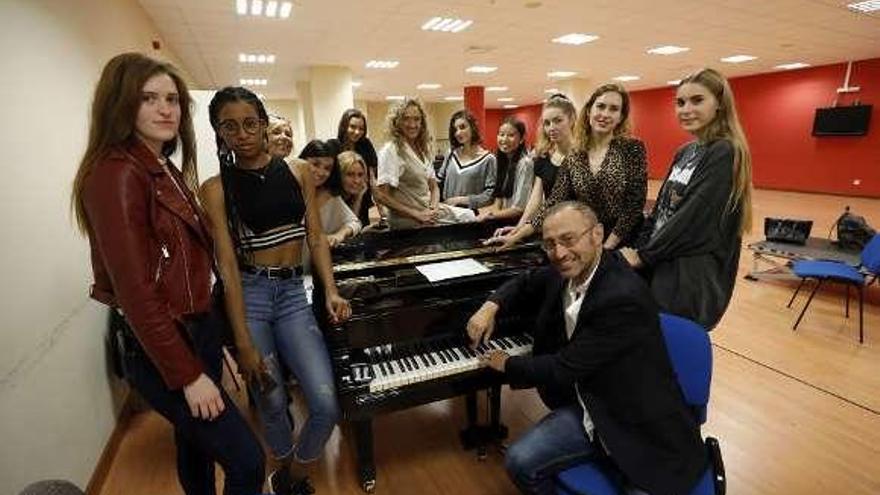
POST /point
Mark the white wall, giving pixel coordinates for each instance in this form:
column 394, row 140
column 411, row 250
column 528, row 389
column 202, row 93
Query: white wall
column 57, row 399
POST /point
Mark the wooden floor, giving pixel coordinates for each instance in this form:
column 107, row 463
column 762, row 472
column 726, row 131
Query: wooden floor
column 796, row 413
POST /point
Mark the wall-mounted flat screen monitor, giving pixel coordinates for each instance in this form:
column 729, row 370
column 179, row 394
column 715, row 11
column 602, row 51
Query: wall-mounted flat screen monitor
column 842, row 121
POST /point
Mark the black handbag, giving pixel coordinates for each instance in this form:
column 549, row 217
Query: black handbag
column 853, row 231
column 787, row 230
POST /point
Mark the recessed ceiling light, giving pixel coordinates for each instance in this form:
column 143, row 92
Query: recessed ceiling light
column 793, row 65
column 667, row 50
column 738, row 59
column 446, row 25
column 626, row 78
column 395, row 98
column 561, row 73
column 869, row 6
column 674, row 82
column 252, row 58
column 496, row 88
column 454, row 98
column 428, row 86
column 481, row 69
column 286, row 7
column 551, row 91
column 506, row 98
column 382, row 64
column 253, row 82
column 511, row 106
column 356, row 84
column 273, row 8
column 575, row 39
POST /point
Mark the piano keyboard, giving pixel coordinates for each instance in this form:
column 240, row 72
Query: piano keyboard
column 394, row 367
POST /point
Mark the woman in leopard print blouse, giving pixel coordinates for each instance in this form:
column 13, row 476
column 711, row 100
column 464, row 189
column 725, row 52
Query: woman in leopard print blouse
column 607, row 170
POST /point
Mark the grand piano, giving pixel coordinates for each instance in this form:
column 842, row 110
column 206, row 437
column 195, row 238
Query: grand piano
column 406, row 343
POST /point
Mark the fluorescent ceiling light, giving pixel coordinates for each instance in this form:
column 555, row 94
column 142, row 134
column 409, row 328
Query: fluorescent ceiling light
column 253, row 82
column 561, row 73
column 481, row 69
column 506, row 98
column 738, row 59
column 428, row 86
column 454, row 98
column 869, row 6
column 271, row 8
column 575, row 39
column 382, row 64
column 511, row 106
column 395, row 98
column 255, row 8
column 446, row 24
column 793, row 65
column 356, row 84
column 667, row 50
column 286, row 7
column 496, row 88
column 674, row 82
column 626, row 78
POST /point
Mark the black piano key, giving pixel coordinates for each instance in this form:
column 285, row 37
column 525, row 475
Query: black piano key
column 504, row 345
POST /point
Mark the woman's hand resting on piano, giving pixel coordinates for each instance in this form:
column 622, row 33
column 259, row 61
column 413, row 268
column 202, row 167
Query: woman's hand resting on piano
column 482, row 324
column 338, row 308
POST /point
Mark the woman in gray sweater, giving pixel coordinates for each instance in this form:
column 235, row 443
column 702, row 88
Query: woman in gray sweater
column 690, row 245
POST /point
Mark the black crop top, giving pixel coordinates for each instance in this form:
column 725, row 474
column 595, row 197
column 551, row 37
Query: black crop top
column 268, row 198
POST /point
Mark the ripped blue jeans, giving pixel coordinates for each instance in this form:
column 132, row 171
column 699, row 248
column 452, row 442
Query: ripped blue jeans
column 284, row 330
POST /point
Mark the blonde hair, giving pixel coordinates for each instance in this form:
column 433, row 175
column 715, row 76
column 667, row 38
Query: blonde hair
column 726, row 126
column 583, row 131
column 348, row 159
column 544, row 146
column 393, row 127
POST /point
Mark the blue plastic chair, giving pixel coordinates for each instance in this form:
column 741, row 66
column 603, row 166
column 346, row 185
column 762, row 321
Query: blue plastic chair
column 690, row 352
column 835, row 271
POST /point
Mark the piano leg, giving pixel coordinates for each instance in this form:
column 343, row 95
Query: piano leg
column 480, row 437
column 499, row 431
column 363, row 434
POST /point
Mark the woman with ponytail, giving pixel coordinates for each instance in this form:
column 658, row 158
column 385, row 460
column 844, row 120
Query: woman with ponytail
column 151, row 258
column 262, row 210
column 690, row 245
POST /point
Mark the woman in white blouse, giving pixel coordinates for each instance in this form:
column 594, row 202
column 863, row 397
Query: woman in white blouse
column 406, row 183
column 337, row 219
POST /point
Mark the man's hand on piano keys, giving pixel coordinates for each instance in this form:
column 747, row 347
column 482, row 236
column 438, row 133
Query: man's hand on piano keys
column 495, row 359
column 482, row 324
column 338, row 308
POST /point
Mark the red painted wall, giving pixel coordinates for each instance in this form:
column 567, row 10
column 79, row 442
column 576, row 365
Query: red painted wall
column 776, row 110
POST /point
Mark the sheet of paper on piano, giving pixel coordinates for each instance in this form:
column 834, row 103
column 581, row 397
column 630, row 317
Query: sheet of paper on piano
column 445, row 270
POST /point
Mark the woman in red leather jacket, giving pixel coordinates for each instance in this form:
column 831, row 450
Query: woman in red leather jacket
column 152, row 257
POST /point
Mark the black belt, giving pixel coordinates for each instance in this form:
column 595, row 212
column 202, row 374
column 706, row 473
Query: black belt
column 273, row 272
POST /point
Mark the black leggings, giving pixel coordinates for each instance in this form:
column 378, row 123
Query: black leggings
column 227, row 440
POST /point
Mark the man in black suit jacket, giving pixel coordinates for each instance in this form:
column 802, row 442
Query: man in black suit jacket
column 599, row 362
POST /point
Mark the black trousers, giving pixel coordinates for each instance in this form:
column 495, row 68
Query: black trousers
column 227, row 440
